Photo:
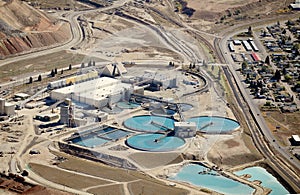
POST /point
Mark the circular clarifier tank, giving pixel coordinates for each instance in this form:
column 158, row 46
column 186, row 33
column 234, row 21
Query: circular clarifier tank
column 163, row 112
column 148, row 123
column 155, row 142
column 215, row 124
column 127, row 105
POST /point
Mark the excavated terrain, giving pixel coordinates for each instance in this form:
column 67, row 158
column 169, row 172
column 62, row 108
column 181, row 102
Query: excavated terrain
column 24, row 29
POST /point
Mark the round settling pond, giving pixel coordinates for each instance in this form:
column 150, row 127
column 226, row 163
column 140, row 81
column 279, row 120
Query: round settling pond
column 127, row 105
column 214, row 124
column 163, row 112
column 148, row 123
column 155, row 142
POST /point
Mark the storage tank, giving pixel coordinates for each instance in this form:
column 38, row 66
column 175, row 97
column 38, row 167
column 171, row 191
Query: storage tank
column 68, row 101
column 9, row 109
column 2, row 106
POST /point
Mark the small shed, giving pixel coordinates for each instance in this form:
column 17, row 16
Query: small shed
column 22, row 96
column 295, row 140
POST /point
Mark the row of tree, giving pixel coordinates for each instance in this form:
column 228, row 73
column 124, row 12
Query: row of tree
column 31, row 79
column 52, row 74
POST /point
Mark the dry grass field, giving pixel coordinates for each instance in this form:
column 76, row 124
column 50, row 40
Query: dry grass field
column 136, row 180
column 41, row 64
column 233, row 152
column 98, row 170
column 151, row 160
column 108, row 190
column 57, row 4
column 150, row 188
column 65, row 178
column 288, row 124
column 215, row 15
column 209, row 9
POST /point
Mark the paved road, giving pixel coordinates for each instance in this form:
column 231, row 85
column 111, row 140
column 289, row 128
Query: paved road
column 256, row 114
column 77, row 35
column 248, row 97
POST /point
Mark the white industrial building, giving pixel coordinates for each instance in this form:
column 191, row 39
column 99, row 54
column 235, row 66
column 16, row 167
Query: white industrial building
column 296, row 5
column 6, row 108
column 67, row 115
column 163, row 80
column 98, row 92
column 185, row 129
column 295, row 140
column 115, row 69
column 73, row 80
column 86, row 117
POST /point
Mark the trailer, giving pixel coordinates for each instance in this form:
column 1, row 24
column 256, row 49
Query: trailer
column 255, row 57
column 247, row 46
column 234, row 57
column 237, row 42
column 253, row 45
column 231, row 47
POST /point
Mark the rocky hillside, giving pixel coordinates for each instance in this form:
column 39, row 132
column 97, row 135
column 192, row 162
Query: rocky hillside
column 23, row 29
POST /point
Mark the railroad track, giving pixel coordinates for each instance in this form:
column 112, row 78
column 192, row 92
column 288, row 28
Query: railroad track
column 281, row 166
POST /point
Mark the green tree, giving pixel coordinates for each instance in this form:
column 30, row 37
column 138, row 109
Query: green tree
column 30, row 80
column 297, row 84
column 284, row 31
column 52, row 73
column 268, row 103
column 39, row 78
column 268, row 61
column 244, row 65
column 296, row 46
column 287, row 77
column 277, row 75
column 250, row 30
column 70, row 67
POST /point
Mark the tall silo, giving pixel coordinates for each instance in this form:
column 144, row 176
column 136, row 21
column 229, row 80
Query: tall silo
column 2, row 106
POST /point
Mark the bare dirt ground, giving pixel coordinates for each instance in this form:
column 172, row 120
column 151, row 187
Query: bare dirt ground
column 152, row 160
column 25, row 29
column 216, row 15
column 109, row 189
column 65, row 178
column 231, row 152
column 27, row 68
column 105, row 173
column 37, row 190
column 288, row 124
column 118, row 39
column 58, row 4
column 11, row 136
column 146, row 187
column 210, row 9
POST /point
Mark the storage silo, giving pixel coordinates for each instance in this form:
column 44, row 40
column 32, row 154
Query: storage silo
column 9, row 109
column 2, row 106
